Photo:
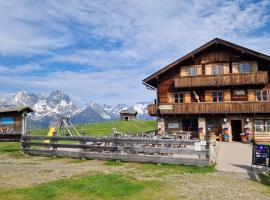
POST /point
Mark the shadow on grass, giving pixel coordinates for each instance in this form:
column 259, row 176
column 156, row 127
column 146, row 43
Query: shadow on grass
column 103, row 186
column 257, row 176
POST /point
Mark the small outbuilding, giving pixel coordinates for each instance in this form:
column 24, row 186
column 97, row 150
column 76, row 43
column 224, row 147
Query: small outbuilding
column 13, row 120
column 127, row 115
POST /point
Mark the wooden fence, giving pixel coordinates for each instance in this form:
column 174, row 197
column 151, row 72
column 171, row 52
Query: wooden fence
column 171, row 151
column 10, row 137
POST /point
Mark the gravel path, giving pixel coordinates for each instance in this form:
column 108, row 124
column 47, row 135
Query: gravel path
column 234, row 157
column 27, row 171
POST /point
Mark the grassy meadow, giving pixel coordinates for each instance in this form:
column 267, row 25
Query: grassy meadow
column 105, row 128
column 25, row 177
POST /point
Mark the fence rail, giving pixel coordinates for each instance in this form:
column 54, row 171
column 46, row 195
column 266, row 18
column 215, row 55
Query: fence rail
column 10, row 137
column 172, row 151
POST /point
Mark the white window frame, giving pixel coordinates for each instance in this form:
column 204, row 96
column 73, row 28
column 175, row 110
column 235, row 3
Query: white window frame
column 217, row 69
column 245, row 64
column 263, row 127
column 192, row 71
column 178, row 97
column 260, row 96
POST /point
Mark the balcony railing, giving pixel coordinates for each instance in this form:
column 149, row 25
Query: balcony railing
column 151, row 109
column 250, row 78
column 214, row 107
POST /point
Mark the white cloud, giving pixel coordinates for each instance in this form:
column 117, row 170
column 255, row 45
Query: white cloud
column 121, row 42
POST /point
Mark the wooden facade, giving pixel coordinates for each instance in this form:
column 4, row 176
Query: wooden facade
column 13, row 120
column 219, row 80
column 127, row 115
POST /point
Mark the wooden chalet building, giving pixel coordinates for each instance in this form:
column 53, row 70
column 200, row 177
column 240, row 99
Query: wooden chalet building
column 13, row 123
column 220, row 87
column 128, row 115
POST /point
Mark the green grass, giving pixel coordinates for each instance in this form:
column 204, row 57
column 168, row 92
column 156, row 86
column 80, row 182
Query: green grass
column 265, row 180
column 12, row 148
column 114, row 163
column 164, row 169
column 105, row 128
column 99, row 186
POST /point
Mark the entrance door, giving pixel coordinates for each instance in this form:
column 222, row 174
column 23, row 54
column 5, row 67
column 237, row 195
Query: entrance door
column 126, row 118
column 236, row 129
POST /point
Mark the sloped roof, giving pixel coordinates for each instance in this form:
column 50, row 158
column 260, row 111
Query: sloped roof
column 132, row 112
column 16, row 109
column 149, row 80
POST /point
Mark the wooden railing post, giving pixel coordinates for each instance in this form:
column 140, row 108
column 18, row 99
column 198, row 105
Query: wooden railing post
column 83, row 142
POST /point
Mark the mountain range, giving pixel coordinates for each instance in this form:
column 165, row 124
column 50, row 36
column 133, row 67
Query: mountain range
column 51, row 107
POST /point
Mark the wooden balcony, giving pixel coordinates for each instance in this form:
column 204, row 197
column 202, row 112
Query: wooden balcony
column 151, row 108
column 216, row 108
column 250, row 78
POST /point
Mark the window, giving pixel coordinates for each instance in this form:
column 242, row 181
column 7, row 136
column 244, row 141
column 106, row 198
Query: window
column 217, row 96
column 217, row 69
column 259, row 126
column 267, row 125
column 244, row 67
column 262, row 125
column 265, row 95
column 192, row 71
column 262, row 95
column 178, row 98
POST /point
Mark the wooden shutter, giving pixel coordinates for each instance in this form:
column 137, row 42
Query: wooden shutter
column 251, row 95
column 183, row 71
column 208, row 96
column 227, row 95
column 208, row 69
column 226, row 68
column 254, row 66
column 187, row 97
column 235, row 67
column 199, row 69
column 171, row 97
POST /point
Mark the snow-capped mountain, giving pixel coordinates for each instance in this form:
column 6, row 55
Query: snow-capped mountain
column 57, row 104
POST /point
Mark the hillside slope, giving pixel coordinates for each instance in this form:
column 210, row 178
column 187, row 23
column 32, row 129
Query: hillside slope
column 105, row 128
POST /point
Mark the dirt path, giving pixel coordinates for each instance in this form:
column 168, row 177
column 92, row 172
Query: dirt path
column 234, row 157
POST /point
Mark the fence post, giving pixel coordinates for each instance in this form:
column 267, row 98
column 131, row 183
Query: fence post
column 83, row 142
column 25, row 142
column 53, row 141
column 208, row 147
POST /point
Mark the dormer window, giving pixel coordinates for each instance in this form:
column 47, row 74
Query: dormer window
column 192, row 71
column 244, row 67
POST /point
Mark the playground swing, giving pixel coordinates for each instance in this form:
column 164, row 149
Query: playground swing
column 62, row 128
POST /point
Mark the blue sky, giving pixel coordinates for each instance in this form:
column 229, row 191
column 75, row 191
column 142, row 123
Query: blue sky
column 101, row 50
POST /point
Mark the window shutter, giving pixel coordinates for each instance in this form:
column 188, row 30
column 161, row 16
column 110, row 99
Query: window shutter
column 208, row 96
column 170, row 97
column 199, row 70
column 183, row 71
column 235, row 68
column 254, row 66
column 187, row 97
column 227, row 95
column 226, row 68
column 208, row 69
column 251, row 95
